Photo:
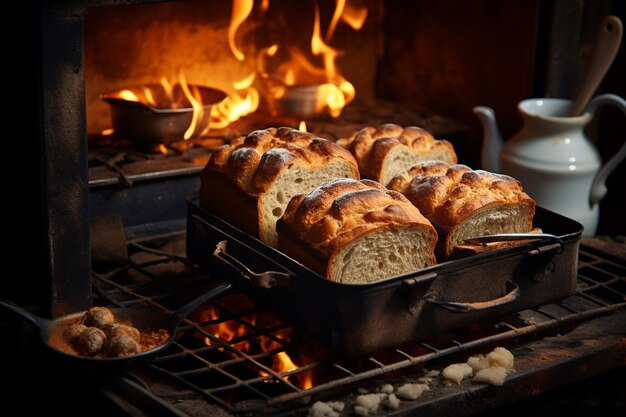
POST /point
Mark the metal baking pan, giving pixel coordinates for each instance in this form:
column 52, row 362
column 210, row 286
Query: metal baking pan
column 359, row 319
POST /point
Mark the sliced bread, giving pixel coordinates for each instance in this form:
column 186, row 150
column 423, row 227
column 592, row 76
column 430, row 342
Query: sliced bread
column 356, row 232
column 383, row 151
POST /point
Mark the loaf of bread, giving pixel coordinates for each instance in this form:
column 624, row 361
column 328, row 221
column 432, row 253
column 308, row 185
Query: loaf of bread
column 384, row 151
column 249, row 182
column 463, row 203
column 356, row 232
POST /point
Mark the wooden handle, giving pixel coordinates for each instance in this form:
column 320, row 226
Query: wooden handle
column 607, row 45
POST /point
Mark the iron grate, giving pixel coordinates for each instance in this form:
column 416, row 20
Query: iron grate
column 229, row 350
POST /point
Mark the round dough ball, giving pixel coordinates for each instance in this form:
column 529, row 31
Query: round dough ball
column 72, row 332
column 99, row 317
column 90, row 341
column 123, row 329
column 121, row 345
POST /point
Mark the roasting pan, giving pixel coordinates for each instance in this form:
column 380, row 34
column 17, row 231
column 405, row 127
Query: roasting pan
column 359, row 319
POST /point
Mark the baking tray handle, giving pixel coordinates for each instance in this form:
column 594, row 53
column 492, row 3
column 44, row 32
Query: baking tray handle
column 266, row 279
column 465, row 307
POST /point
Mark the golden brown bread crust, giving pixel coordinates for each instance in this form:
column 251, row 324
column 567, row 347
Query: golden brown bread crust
column 371, row 145
column 449, row 194
column 255, row 160
column 339, row 211
column 245, row 217
column 239, row 175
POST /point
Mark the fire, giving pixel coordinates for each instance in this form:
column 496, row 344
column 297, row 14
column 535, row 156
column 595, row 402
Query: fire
column 241, row 11
column 167, row 98
column 128, row 95
column 296, row 74
column 295, row 69
column 245, row 98
column 351, row 15
column 354, row 17
column 146, row 95
column 302, row 126
column 162, row 149
column 196, row 104
column 334, row 92
column 243, row 101
column 231, row 330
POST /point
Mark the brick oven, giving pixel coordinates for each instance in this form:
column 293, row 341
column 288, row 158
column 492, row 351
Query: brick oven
column 103, row 219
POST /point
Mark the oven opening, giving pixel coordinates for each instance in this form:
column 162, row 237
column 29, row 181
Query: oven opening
column 315, row 67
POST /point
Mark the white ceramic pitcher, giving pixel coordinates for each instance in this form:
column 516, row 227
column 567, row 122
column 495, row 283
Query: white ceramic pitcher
column 552, row 157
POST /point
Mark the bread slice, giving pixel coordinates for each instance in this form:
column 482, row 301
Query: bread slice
column 250, row 181
column 384, row 151
column 463, row 203
column 356, row 232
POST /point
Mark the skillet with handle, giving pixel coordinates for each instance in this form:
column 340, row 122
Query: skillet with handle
column 144, row 318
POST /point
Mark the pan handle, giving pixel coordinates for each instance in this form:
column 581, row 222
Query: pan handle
column 463, row 307
column 267, row 279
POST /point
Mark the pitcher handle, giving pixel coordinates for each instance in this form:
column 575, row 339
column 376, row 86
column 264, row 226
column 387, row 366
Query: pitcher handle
column 598, row 187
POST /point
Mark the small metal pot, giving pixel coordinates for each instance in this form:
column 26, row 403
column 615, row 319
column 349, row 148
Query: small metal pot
column 166, row 119
column 301, row 101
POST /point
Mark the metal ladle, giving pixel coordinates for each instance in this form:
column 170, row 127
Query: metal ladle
column 144, row 318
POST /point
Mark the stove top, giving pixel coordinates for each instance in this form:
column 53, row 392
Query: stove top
column 568, row 355
column 230, row 356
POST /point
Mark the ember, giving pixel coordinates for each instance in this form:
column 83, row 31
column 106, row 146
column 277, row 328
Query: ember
column 239, row 332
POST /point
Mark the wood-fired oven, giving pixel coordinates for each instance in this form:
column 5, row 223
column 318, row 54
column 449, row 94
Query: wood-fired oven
column 420, row 62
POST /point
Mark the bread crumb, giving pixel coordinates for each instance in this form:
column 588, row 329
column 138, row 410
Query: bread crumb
column 393, row 402
column 412, row 391
column 336, row 405
column 320, row 409
column 491, row 369
column 478, row 362
column 370, row 401
column 457, row 372
column 433, row 373
column 494, row 375
column 325, row 409
column 501, row 357
column 360, row 411
column 387, row 389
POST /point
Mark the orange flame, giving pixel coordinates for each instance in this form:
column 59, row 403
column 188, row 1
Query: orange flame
column 245, row 98
column 231, row 330
column 241, row 11
column 338, row 91
column 354, row 16
column 334, row 92
column 335, row 19
column 196, row 104
column 302, row 126
column 243, row 101
column 128, row 95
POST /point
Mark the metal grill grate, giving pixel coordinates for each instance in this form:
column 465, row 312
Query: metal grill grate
column 228, row 350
